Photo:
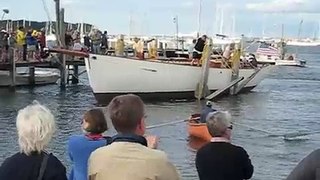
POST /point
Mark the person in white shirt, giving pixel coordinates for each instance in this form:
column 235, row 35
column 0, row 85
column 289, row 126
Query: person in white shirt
column 191, row 48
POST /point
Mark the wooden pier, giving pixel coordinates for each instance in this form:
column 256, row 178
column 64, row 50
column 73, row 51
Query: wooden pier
column 69, row 68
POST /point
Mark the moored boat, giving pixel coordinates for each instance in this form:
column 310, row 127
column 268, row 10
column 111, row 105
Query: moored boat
column 197, row 129
column 269, row 54
column 42, row 77
column 294, row 62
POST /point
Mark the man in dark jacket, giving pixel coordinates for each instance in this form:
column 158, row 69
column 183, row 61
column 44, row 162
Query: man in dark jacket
column 219, row 159
column 104, row 42
column 198, row 48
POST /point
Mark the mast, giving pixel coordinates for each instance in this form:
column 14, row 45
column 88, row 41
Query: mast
column 199, row 18
column 176, row 21
column 216, row 24
column 300, row 29
column 282, row 32
column 233, row 25
column 263, row 26
column 221, row 21
column 130, row 25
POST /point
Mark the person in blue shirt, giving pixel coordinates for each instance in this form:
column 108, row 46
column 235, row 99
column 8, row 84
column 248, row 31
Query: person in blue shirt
column 206, row 110
column 80, row 147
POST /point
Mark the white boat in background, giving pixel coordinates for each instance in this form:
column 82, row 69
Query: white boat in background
column 42, row 77
column 156, row 79
column 299, row 63
column 308, row 43
column 267, row 54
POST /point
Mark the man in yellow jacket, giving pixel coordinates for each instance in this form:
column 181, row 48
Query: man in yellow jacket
column 21, row 42
column 130, row 156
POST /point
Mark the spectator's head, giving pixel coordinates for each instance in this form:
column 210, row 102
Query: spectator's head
column 194, row 41
column 136, row 39
column 36, row 126
column 219, row 124
column 94, row 122
column 204, row 37
column 105, row 32
column 233, row 45
column 21, row 28
column 127, row 114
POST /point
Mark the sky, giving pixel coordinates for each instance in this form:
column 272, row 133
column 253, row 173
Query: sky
column 150, row 17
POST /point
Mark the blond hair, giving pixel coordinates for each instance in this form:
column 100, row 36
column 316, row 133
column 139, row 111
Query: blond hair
column 35, row 126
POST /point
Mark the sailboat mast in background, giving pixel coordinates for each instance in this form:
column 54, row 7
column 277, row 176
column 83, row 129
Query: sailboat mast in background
column 199, row 18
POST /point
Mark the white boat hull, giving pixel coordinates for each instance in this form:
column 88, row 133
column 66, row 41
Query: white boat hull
column 303, row 44
column 280, row 62
column 300, row 63
column 22, row 79
column 110, row 75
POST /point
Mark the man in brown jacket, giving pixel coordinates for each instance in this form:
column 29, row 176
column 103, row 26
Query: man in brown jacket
column 128, row 157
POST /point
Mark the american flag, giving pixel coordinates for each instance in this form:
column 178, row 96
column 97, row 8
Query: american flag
column 267, row 50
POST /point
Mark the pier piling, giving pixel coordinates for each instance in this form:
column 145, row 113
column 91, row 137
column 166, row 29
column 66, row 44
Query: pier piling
column 62, row 59
column 12, row 69
column 75, row 76
column 32, row 75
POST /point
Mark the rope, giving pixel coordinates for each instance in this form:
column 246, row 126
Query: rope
column 254, row 128
column 166, row 124
column 286, row 137
column 46, row 9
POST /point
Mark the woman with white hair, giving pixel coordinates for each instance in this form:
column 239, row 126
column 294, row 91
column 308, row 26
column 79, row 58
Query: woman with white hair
column 220, row 159
column 36, row 126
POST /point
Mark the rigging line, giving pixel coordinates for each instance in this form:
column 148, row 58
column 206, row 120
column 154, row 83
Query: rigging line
column 45, row 7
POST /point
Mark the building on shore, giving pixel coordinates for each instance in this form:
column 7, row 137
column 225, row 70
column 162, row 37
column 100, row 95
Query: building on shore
column 12, row 25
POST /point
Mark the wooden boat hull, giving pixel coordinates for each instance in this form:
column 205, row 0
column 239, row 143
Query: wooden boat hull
column 111, row 75
column 198, row 130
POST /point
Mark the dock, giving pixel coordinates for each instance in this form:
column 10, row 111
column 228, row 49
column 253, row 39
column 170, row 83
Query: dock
column 69, row 69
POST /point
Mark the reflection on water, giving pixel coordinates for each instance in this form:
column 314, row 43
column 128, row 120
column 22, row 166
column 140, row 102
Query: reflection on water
column 286, row 102
column 196, row 143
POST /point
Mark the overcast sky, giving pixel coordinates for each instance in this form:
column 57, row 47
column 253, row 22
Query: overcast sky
column 251, row 17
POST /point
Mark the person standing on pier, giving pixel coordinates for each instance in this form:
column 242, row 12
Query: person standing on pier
column 220, row 159
column 3, row 45
column 104, row 42
column 42, row 41
column 22, row 43
column 31, row 43
column 129, row 155
column 95, row 37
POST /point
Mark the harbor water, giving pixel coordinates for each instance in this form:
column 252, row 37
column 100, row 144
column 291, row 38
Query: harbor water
column 285, row 102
